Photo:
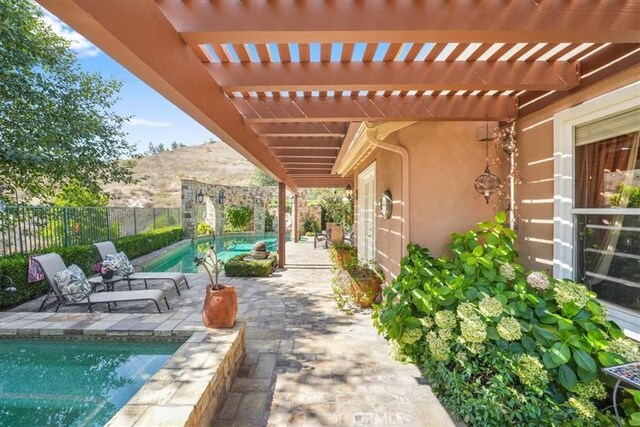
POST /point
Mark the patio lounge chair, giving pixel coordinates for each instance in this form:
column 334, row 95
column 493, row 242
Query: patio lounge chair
column 108, row 248
column 321, row 238
column 52, row 263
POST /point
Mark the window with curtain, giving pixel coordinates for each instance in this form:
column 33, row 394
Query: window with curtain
column 607, row 207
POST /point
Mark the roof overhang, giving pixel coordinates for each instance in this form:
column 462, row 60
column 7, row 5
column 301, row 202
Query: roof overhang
column 282, row 82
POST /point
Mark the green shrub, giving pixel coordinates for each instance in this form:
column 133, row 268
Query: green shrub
column 85, row 256
column 166, row 220
column 310, row 225
column 238, row 267
column 238, row 218
column 498, row 346
column 268, row 221
column 204, row 228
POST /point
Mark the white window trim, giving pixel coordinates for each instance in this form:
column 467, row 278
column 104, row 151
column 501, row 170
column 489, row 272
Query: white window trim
column 563, row 173
column 563, row 169
column 369, row 173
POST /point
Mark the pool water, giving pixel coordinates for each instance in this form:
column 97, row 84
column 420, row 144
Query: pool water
column 73, row 382
column 227, row 246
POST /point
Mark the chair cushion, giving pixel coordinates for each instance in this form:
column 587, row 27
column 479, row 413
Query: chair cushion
column 120, row 263
column 72, row 281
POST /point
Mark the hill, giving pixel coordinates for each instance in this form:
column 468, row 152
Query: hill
column 215, row 163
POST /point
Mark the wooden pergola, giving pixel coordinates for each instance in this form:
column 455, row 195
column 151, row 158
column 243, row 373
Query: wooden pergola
column 283, row 81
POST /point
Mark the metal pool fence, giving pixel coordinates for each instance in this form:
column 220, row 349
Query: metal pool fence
column 30, row 228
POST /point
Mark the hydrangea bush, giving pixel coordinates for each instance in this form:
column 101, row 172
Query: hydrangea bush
column 501, row 347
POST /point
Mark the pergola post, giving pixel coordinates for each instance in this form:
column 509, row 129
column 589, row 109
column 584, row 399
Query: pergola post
column 282, row 203
column 296, row 218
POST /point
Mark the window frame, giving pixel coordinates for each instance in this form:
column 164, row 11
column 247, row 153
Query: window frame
column 564, row 233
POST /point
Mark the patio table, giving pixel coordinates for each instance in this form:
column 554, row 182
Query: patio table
column 629, row 374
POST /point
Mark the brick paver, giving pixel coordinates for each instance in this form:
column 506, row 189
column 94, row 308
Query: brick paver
column 310, row 364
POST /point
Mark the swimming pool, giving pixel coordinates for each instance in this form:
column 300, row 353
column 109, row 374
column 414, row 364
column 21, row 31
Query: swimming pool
column 73, row 382
column 227, row 246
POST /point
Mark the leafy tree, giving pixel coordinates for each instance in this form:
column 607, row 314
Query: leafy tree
column 73, row 194
column 56, row 123
column 261, row 179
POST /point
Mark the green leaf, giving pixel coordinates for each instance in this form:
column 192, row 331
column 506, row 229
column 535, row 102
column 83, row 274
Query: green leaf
column 421, row 300
column 634, row 419
column 570, row 309
column 566, row 377
column 485, row 262
column 529, row 343
column 586, row 376
column 516, row 347
column 492, row 333
column 472, row 261
column 501, row 217
column 584, row 360
column 471, row 294
column 560, row 353
column 478, row 251
column 544, row 335
column 609, row 359
column 548, row 362
column 445, row 290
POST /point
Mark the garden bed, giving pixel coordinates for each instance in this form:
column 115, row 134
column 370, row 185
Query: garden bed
column 239, row 266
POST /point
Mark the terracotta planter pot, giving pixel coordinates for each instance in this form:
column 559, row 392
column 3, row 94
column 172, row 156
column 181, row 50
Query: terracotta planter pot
column 343, row 258
column 220, row 307
column 364, row 291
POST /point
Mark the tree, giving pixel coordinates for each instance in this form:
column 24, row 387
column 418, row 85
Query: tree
column 56, row 123
column 73, row 194
column 261, row 179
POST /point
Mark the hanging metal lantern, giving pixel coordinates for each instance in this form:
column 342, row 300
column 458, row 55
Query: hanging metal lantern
column 508, row 138
column 487, row 183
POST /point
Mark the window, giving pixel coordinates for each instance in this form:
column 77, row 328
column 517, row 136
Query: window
column 597, row 200
column 607, row 188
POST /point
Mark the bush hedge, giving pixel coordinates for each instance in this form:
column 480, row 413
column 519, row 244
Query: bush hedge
column 85, row 256
column 498, row 346
column 238, row 267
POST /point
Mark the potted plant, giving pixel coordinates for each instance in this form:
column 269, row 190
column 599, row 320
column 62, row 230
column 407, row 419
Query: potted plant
column 105, row 269
column 220, row 306
column 365, row 283
column 342, row 254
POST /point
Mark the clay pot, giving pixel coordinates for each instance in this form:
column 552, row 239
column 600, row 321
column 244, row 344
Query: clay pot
column 343, row 257
column 364, row 291
column 220, row 307
column 108, row 275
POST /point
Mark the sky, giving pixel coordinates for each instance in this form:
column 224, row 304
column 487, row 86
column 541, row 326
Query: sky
column 153, row 118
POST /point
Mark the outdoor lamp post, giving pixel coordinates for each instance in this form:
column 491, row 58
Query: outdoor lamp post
column 199, row 197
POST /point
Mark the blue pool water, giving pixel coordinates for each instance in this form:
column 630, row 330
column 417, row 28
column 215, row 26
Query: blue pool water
column 227, row 246
column 73, row 383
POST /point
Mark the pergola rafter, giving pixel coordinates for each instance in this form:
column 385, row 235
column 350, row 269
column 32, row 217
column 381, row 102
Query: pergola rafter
column 382, row 76
column 283, row 82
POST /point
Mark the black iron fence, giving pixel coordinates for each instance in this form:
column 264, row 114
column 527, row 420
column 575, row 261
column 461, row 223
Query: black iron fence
column 30, row 228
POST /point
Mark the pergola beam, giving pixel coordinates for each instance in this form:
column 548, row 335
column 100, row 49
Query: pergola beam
column 488, row 21
column 377, row 108
column 320, row 142
column 296, row 129
column 138, row 36
column 404, row 76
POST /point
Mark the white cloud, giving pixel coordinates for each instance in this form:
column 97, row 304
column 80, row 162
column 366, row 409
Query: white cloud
column 79, row 44
column 137, row 121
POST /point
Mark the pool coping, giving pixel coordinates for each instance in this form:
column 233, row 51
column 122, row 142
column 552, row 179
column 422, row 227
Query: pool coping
column 189, row 388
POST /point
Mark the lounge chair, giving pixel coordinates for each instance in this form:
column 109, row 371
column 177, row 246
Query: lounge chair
column 52, row 263
column 108, row 248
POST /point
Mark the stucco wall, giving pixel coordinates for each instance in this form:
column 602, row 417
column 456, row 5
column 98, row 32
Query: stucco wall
column 534, row 196
column 444, row 160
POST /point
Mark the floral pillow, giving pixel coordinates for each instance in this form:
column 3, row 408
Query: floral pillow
column 120, row 263
column 73, row 283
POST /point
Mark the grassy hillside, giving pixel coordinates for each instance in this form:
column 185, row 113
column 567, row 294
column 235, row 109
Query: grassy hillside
column 214, row 163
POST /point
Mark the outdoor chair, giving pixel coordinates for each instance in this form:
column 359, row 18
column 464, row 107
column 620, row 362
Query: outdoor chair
column 348, row 238
column 108, row 248
column 52, row 263
column 321, row 238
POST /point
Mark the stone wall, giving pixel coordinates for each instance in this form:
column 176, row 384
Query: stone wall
column 256, row 197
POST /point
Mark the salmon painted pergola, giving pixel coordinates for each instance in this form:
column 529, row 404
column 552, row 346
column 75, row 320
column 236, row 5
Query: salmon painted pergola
column 286, row 83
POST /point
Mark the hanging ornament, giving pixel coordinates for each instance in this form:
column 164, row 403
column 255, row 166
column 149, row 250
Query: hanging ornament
column 508, row 138
column 487, row 183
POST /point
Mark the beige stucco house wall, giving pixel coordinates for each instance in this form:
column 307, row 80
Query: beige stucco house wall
column 444, row 160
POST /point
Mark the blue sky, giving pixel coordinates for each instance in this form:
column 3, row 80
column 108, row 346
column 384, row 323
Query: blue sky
column 154, row 119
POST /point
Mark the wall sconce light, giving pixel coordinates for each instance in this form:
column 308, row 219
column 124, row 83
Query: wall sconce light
column 257, row 200
column 349, row 190
column 221, row 197
column 199, row 197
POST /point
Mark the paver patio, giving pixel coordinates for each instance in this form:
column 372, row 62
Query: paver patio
column 307, row 363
